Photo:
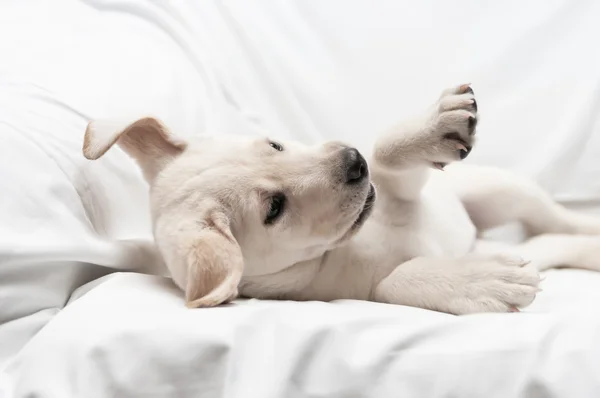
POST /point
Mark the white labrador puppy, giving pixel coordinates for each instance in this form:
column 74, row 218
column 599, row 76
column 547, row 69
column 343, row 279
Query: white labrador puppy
column 281, row 220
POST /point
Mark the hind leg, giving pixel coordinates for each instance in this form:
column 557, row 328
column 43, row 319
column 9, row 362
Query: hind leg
column 551, row 251
column 495, row 197
column 556, row 250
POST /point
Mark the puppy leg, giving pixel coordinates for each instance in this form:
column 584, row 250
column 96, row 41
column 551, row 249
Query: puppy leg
column 555, row 250
column 494, row 197
column 403, row 155
column 469, row 284
column 551, row 251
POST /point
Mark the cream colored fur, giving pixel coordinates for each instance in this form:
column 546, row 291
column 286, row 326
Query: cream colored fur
column 210, row 197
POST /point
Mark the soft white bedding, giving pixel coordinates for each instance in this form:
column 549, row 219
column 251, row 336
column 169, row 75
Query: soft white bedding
column 131, row 337
column 309, row 70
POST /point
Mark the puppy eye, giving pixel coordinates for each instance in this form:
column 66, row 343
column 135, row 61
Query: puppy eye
column 276, row 208
column 276, row 146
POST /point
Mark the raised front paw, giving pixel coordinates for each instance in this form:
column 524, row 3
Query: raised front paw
column 494, row 284
column 453, row 125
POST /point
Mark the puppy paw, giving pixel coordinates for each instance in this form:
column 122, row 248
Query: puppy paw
column 494, row 284
column 452, row 126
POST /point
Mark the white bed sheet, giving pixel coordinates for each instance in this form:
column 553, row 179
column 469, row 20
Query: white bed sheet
column 131, row 337
column 308, row 70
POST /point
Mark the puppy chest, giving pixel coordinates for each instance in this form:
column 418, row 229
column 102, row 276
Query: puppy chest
column 435, row 228
column 442, row 227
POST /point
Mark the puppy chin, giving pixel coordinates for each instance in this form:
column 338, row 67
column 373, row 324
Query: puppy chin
column 364, row 214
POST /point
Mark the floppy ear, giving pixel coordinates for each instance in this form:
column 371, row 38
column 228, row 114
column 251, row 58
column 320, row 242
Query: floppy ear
column 214, row 264
column 147, row 140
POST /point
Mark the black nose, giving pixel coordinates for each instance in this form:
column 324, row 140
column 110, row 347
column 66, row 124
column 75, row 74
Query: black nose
column 354, row 165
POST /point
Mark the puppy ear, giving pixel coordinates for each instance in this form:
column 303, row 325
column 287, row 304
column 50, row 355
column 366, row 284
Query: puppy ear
column 214, row 264
column 147, row 140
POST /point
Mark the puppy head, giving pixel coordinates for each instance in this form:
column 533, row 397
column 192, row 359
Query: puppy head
column 225, row 206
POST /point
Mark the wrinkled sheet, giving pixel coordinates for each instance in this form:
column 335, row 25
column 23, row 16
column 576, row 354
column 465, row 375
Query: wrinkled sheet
column 308, row 70
column 130, row 336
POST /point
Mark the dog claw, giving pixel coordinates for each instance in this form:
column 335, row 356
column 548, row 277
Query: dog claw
column 439, row 165
column 461, row 147
column 525, row 263
column 463, row 154
column 472, row 122
column 463, row 88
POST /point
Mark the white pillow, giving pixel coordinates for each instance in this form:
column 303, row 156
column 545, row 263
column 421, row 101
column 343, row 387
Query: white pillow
column 65, row 221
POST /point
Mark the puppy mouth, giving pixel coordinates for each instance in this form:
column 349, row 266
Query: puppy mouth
column 362, row 216
column 367, row 207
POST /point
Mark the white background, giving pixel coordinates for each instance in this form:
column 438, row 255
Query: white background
column 309, row 70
